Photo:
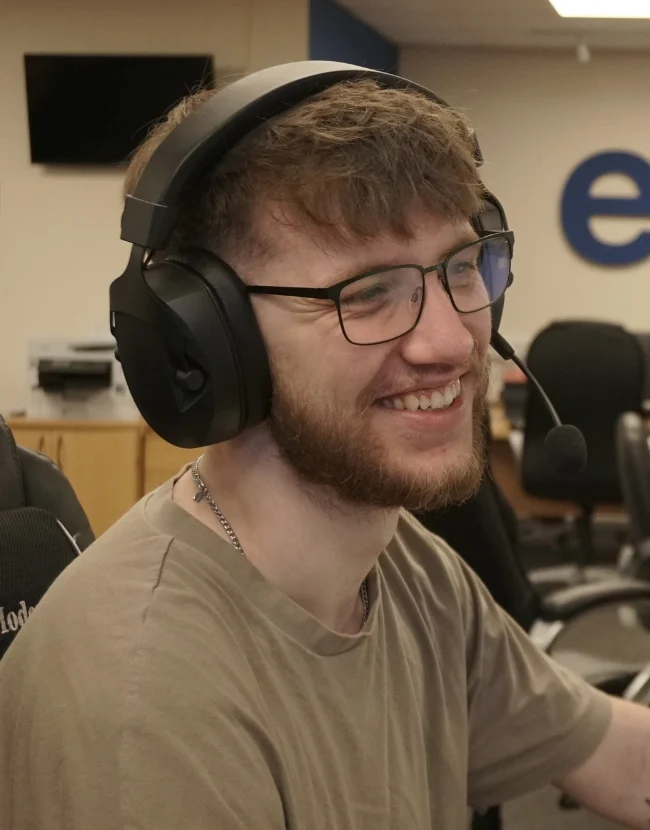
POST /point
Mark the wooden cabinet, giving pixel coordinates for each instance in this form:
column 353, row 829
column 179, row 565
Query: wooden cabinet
column 110, row 464
column 162, row 460
column 102, row 461
column 34, row 438
column 104, row 468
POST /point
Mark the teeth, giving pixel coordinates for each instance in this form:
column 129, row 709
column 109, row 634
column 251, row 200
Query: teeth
column 436, row 400
column 412, row 403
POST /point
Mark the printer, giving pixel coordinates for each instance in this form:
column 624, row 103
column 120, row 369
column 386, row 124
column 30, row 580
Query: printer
column 77, row 379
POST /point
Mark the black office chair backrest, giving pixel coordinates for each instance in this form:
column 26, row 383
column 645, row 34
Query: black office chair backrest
column 31, row 479
column 633, row 457
column 593, row 372
column 42, row 530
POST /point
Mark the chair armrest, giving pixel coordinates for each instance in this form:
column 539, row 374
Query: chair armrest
column 568, row 603
column 637, row 563
column 639, row 689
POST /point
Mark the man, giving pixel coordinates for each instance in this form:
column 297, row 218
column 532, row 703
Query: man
column 268, row 641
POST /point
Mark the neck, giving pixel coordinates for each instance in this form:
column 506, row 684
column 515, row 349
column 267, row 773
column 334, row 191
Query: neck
column 303, row 539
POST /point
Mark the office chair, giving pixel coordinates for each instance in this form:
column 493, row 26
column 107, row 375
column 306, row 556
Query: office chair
column 633, row 456
column 633, row 460
column 593, row 372
column 484, row 532
column 43, row 528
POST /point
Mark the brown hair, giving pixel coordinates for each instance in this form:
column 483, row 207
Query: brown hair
column 347, row 164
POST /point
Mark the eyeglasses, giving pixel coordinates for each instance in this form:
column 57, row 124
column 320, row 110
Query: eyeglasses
column 380, row 306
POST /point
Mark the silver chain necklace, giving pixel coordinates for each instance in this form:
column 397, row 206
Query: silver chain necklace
column 202, row 492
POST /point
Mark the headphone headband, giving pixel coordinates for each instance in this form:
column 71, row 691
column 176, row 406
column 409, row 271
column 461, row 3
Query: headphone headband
column 206, row 135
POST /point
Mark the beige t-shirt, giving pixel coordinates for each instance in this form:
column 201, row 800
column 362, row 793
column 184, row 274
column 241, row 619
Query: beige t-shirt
column 164, row 684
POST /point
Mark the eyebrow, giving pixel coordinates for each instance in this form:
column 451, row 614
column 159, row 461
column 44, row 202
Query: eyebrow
column 343, row 274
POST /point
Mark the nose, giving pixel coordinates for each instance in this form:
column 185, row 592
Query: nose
column 440, row 335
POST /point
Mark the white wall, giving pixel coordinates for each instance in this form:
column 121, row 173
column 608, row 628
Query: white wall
column 538, row 115
column 59, row 229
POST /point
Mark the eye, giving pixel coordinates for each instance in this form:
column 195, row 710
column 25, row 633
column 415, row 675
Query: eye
column 463, row 268
column 465, row 265
column 372, row 292
column 367, row 294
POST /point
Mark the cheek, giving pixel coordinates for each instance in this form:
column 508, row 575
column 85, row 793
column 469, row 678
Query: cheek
column 314, row 356
column 308, row 360
column 297, row 332
column 479, row 326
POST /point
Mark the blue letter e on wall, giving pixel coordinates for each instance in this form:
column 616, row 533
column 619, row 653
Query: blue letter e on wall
column 578, row 207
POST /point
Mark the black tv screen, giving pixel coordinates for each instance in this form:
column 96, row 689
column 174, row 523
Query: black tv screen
column 96, row 109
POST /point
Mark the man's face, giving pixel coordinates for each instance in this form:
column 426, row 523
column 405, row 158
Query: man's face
column 390, row 425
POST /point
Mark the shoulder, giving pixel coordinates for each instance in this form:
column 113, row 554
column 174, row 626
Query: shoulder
column 87, row 622
column 130, row 615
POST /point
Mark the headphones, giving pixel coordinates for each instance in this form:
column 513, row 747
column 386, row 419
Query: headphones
column 187, row 337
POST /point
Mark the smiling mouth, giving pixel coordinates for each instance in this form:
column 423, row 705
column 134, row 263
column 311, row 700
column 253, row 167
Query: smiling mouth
column 435, row 399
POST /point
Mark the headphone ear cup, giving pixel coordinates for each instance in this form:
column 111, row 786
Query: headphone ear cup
column 239, row 323
column 180, row 357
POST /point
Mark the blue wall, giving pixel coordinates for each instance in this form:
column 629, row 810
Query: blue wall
column 336, row 35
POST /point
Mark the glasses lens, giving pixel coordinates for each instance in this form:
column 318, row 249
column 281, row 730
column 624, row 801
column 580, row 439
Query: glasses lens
column 478, row 275
column 381, row 306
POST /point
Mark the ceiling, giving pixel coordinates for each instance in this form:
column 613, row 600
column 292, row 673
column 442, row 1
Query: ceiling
column 513, row 23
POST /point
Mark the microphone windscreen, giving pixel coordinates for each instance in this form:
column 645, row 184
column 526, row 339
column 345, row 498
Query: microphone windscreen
column 567, row 448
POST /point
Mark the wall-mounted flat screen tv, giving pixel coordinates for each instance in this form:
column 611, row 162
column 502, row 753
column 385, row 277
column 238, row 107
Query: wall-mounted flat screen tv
column 96, row 109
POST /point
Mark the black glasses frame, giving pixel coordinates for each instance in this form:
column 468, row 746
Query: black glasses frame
column 333, row 292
